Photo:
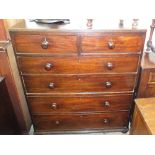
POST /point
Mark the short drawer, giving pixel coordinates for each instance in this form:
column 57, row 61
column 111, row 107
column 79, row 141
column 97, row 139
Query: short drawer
column 45, row 43
column 104, row 103
column 80, row 121
column 109, row 64
column 82, row 65
column 78, row 84
column 112, row 42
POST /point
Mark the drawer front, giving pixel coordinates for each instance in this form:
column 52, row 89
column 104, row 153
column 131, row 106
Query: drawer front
column 80, row 121
column 84, row 64
column 79, row 104
column 77, row 84
column 48, row 65
column 45, row 43
column 149, row 91
column 109, row 64
column 152, row 77
column 112, row 43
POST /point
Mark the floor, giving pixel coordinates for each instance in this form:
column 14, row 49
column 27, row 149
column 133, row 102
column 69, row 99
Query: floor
column 106, row 133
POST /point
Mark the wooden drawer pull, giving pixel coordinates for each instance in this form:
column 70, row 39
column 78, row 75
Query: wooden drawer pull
column 106, row 121
column 53, row 106
column 44, row 43
column 51, row 85
column 111, row 44
column 48, row 66
column 109, row 66
column 108, row 84
column 106, row 104
column 57, row 122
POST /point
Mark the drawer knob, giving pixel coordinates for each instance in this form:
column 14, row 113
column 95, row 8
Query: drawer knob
column 57, row 122
column 44, row 43
column 109, row 65
column 51, row 85
column 53, row 106
column 106, row 103
column 108, row 84
column 106, row 121
column 111, row 44
column 48, row 66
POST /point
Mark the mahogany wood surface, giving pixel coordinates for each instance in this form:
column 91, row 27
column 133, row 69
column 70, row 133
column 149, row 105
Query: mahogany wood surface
column 32, row 43
column 79, row 104
column 78, row 84
column 80, row 121
column 64, row 70
column 147, row 79
column 78, row 65
column 122, row 43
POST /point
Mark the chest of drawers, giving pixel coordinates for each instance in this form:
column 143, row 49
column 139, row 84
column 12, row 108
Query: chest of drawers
column 79, row 81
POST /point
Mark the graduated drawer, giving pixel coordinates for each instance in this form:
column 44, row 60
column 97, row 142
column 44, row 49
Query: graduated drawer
column 80, row 121
column 45, row 43
column 77, row 84
column 79, row 104
column 83, row 64
column 112, row 42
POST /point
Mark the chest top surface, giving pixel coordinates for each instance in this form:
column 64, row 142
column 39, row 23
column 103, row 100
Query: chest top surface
column 78, row 26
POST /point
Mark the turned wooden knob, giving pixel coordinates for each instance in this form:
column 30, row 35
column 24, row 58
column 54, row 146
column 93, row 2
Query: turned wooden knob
column 111, row 44
column 105, row 121
column 51, row 85
column 108, row 84
column 48, row 66
column 44, row 43
column 53, row 106
column 109, row 66
column 57, row 122
column 106, row 104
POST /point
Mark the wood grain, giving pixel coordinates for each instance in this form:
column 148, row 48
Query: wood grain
column 32, row 43
column 79, row 104
column 122, row 42
column 77, row 84
column 78, row 65
column 80, row 121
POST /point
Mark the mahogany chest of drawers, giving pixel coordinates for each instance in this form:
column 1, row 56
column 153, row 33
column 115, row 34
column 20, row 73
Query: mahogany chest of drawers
column 78, row 81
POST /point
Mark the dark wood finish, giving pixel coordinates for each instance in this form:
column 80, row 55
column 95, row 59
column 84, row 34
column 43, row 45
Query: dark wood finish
column 147, row 78
column 83, row 64
column 24, row 121
column 8, row 120
column 80, row 121
column 79, row 104
column 144, row 117
column 33, row 43
column 119, row 43
column 77, row 84
column 78, row 79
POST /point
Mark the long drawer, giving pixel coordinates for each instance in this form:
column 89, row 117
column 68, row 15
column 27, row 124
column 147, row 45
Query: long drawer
column 80, row 121
column 77, row 84
column 83, row 64
column 112, row 42
column 104, row 103
column 45, row 43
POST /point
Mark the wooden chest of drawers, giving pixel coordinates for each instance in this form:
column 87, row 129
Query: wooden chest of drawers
column 79, row 81
column 147, row 79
